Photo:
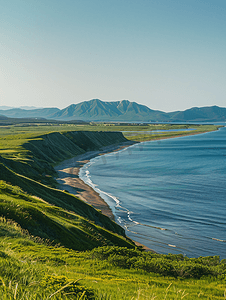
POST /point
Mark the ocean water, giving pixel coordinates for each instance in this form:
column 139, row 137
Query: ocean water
column 169, row 195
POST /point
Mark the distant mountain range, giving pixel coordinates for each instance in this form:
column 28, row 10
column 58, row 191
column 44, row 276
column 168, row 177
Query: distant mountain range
column 23, row 107
column 97, row 110
column 29, row 113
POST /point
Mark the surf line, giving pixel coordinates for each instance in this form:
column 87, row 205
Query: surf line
column 87, row 179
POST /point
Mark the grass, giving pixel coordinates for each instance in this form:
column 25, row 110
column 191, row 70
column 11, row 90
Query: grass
column 49, row 238
column 78, row 228
column 36, row 270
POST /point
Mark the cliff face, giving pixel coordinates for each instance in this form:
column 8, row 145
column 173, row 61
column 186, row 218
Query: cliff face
column 54, row 214
column 55, row 147
column 45, row 151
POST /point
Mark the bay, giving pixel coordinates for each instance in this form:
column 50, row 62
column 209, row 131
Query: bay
column 169, row 195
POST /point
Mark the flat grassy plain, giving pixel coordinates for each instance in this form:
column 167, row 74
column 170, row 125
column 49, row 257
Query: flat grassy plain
column 13, row 137
column 55, row 246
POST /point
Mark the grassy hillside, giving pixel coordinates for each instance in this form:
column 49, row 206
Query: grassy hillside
column 32, row 269
column 55, row 214
column 78, row 228
column 49, row 238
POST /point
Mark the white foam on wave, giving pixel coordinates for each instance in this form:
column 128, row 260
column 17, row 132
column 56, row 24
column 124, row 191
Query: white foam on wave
column 87, row 176
column 110, row 196
column 130, row 219
column 84, row 174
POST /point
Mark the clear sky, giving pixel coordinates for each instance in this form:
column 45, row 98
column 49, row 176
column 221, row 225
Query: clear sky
column 166, row 54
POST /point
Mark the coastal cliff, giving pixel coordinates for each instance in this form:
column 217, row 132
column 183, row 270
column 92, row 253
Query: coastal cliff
column 50, row 213
column 39, row 154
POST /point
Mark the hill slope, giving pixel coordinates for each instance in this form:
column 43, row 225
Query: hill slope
column 27, row 198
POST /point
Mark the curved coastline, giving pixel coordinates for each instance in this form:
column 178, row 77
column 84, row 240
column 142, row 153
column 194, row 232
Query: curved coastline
column 69, row 180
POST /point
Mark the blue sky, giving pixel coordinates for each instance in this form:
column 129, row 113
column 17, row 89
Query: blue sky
column 166, row 54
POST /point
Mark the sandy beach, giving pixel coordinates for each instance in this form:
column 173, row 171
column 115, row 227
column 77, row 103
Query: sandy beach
column 69, row 180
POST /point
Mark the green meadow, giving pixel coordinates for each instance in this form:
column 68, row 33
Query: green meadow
column 55, row 246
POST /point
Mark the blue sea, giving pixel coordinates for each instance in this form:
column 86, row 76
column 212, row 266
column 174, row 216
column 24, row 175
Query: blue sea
column 169, row 195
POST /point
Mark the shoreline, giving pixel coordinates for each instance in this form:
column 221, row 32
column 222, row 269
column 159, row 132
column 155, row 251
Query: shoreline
column 68, row 178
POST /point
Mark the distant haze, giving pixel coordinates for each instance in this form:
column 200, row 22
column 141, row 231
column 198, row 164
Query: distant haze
column 22, row 107
column 168, row 54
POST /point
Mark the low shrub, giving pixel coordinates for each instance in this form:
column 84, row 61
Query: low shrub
column 175, row 265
